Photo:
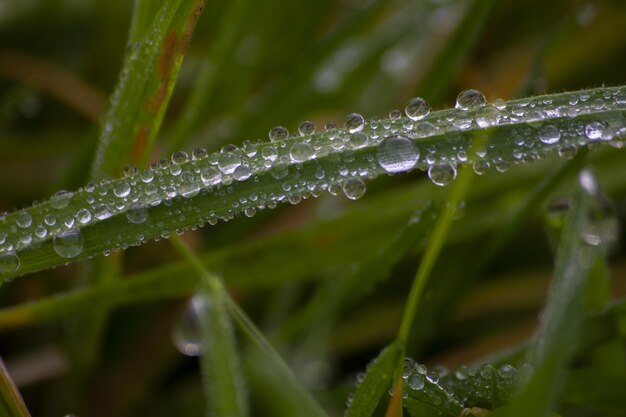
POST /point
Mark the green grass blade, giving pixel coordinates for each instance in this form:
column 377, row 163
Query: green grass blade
column 11, row 402
column 563, row 315
column 437, row 80
column 149, row 205
column 145, row 85
column 375, row 384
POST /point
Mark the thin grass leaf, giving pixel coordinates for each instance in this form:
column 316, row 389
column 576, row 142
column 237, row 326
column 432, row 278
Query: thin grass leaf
column 563, row 315
column 11, row 402
column 146, row 83
column 207, row 188
column 375, row 383
column 222, row 379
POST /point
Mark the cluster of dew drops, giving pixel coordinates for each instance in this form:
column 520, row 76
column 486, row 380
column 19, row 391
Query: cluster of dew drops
column 308, row 163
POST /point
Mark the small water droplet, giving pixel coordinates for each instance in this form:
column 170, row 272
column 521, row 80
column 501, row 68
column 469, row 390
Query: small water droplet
column 24, row 219
column 441, row 174
column 354, row 188
column 417, row 108
column 594, row 130
column 305, row 128
column 9, row 262
column 301, row 152
column 278, row 133
column 179, row 157
column 354, row 122
column 210, row 175
column 416, row 381
column 549, row 134
column 61, row 199
column 358, row 140
column 397, row 154
column 137, row 214
column 83, row 216
column 69, row 244
column 470, row 100
column 121, row 189
column 228, row 162
column 130, row 170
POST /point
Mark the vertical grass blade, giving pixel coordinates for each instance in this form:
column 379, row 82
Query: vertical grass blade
column 145, row 85
column 563, row 314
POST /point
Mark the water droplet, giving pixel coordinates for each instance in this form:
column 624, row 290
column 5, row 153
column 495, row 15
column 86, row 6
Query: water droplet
column 228, row 162
column 470, row 100
column 69, row 244
column 9, row 262
column 549, row 134
column 416, row 381
column 425, row 129
column 242, row 173
column 417, row 108
column 121, row 189
column 83, row 216
column 24, row 219
column 397, row 154
column 358, row 140
column 594, row 130
column 179, row 157
column 61, row 199
column 278, row 133
column 354, row 188
column 441, row 174
column 301, row 152
column 137, row 214
column 102, row 211
column 305, row 128
column 210, row 175
column 395, row 114
column 198, row 153
column 186, row 333
column 130, row 170
column 189, row 189
column 354, row 122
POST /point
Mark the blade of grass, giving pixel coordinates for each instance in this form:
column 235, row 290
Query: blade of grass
column 222, row 379
column 375, row 384
column 11, row 402
column 563, row 316
column 145, row 86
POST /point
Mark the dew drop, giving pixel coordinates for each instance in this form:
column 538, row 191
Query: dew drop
column 121, row 189
column 441, row 174
column 417, row 108
column 354, row 122
column 470, row 100
column 305, row 128
column 69, row 244
column 137, row 214
column 228, row 162
column 397, row 154
column 594, row 130
column 24, row 219
column 9, row 262
column 549, row 134
column 102, row 212
column 189, row 189
column 198, row 153
column 186, row 334
column 278, row 133
column 242, row 173
column 61, row 199
column 130, row 170
column 83, row 216
column 358, row 140
column 210, row 175
column 179, row 157
column 354, row 188
column 301, row 152
column 416, row 381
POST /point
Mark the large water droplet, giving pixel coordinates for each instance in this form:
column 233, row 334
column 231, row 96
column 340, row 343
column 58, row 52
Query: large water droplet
column 305, row 128
column 397, row 154
column 354, row 122
column 83, row 216
column 301, row 152
column 417, row 108
column 69, row 244
column 549, row 134
column 9, row 262
column 137, row 214
column 228, row 162
column 354, row 188
column 470, row 100
column 186, row 333
column 121, row 189
column 210, row 175
column 441, row 174
column 416, row 381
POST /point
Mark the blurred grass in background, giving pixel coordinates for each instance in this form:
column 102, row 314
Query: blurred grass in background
column 255, row 64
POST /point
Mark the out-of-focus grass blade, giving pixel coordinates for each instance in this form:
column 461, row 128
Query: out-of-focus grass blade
column 222, row 379
column 435, row 82
column 559, row 335
column 145, row 85
column 375, row 384
column 11, row 402
column 600, row 390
